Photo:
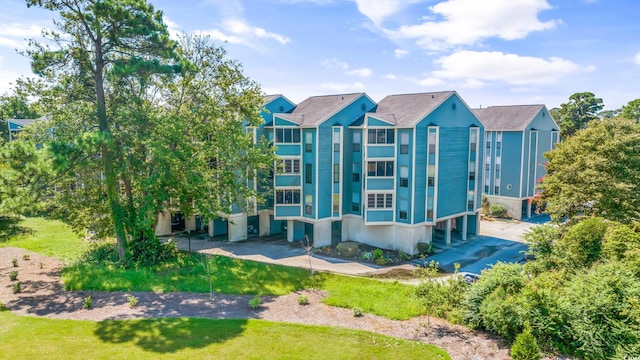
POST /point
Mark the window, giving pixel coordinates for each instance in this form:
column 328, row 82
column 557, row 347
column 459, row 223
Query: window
column 355, row 202
column 381, row 136
column 487, row 167
column 356, row 172
column 336, row 141
column 380, row 168
column 496, row 190
column 432, row 141
column 497, row 171
column 380, row 201
column 486, row 189
column 308, row 173
column 431, row 175
column 308, row 204
column 403, row 207
column 308, row 140
column 404, row 143
column 336, row 204
column 291, row 166
column 336, row 173
column 472, row 175
column 287, row 135
column 287, row 196
column 404, row 176
column 356, row 141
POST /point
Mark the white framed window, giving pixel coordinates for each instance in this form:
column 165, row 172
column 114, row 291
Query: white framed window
column 379, row 201
column 291, row 166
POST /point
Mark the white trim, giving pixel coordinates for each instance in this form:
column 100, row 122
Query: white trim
column 315, row 184
column 522, row 165
column 413, row 178
column 340, row 169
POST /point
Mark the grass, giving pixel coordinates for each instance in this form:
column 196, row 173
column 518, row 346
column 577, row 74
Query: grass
column 188, row 338
column 45, row 236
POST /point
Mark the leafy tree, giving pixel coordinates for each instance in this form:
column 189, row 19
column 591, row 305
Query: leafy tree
column 609, row 114
column 577, row 113
column 596, row 172
column 631, row 110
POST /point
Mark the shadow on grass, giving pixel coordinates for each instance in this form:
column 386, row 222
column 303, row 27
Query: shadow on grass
column 10, row 227
column 169, row 335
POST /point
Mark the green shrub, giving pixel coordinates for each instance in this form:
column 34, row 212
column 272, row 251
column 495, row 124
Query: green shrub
column 383, row 261
column 404, row 256
column 582, row 243
column 377, row 254
column 41, row 265
column 357, row 312
column 87, row 303
column 485, row 204
column 618, row 239
column 3, row 307
column 26, row 257
column 303, row 300
column 133, row 301
column 14, row 262
column 100, row 251
column 500, row 314
column 425, row 249
column 348, row 248
column 255, row 302
column 16, row 287
column 498, row 211
column 150, row 252
column 13, row 275
column 525, row 347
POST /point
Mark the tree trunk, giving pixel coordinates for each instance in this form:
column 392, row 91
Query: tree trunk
column 111, row 181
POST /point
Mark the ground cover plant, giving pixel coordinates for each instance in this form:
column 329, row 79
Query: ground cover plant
column 189, row 338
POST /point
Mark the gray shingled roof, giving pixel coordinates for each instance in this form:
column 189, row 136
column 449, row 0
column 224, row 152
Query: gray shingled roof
column 21, row 122
column 317, row 109
column 407, row 110
column 508, row 118
column 269, row 98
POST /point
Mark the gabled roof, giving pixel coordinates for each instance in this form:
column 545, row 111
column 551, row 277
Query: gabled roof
column 317, row 109
column 508, row 118
column 269, row 98
column 409, row 109
column 21, row 122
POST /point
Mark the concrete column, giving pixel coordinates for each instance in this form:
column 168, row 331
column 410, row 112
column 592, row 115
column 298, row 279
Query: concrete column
column 428, row 234
column 478, row 223
column 447, row 231
column 264, row 219
column 464, row 227
column 211, row 232
column 163, row 226
column 190, row 223
column 290, row 230
column 237, row 227
column 322, row 234
column 528, row 208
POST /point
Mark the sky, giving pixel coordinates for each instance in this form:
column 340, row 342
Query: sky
column 492, row 52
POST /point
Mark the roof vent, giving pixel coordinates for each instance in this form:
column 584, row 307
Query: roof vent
column 433, row 97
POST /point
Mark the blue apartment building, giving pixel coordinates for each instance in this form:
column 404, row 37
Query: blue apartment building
column 515, row 141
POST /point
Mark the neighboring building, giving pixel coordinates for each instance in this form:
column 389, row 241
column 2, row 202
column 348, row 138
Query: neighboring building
column 516, row 139
column 17, row 125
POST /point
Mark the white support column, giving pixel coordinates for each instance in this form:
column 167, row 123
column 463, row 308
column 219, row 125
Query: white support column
column 464, row 227
column 264, row 219
column 211, row 232
column 528, row 208
column 322, row 234
column 290, row 230
column 163, row 226
column 429, row 234
column 478, row 223
column 237, row 227
column 190, row 223
column 447, row 231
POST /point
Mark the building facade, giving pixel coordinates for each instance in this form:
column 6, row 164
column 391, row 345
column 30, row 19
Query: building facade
column 515, row 141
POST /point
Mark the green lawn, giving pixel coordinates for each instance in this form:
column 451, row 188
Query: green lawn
column 24, row 337
column 42, row 235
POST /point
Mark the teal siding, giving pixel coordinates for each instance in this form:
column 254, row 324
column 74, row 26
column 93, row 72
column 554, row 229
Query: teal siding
column 288, row 180
column 372, row 121
column 511, row 163
column 288, row 149
column 380, row 151
column 351, row 187
column 379, row 184
column 278, row 121
column 287, row 210
column 325, row 172
column 379, row 215
column 309, row 158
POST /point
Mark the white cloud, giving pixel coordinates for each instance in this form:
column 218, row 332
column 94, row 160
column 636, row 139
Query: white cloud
column 241, row 33
column 466, row 22
column 390, row 77
column 14, row 34
column 337, row 87
column 399, row 53
column 377, row 10
column 174, row 29
column 335, row 63
column 637, row 58
column 509, row 68
column 429, row 81
column 362, row 72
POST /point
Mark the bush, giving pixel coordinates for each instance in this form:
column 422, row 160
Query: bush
column 383, row 261
column 100, row 251
column 133, row 301
column 14, row 262
column 13, row 275
column 498, row 211
column 17, row 287
column 500, row 314
column 255, row 302
column 425, row 249
column 26, row 257
column 3, row 307
column 303, row 300
column 357, row 312
column 618, row 240
column 377, row 254
column 525, row 347
column 87, row 303
column 582, row 243
column 152, row 253
column 347, row 248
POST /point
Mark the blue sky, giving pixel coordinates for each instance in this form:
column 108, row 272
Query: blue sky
column 493, row 52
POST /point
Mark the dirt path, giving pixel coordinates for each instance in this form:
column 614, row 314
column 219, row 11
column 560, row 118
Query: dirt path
column 43, row 295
